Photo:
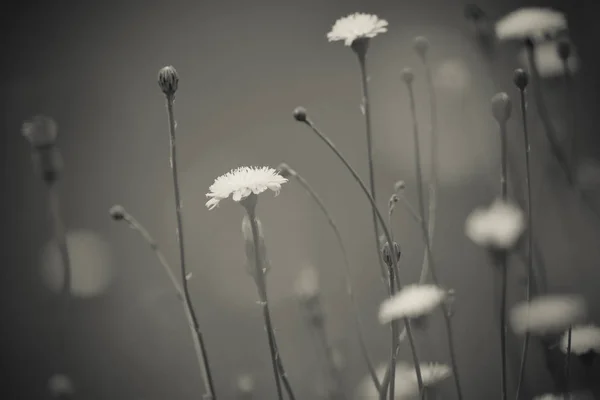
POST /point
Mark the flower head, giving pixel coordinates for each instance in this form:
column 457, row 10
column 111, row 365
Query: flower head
column 412, row 301
column 584, row 338
column 496, row 227
column 531, row 22
column 242, row 182
column 548, row 314
column 357, row 26
column 168, row 80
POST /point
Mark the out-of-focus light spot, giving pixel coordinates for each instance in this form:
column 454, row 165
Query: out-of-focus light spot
column 91, row 264
column 548, row 62
column 60, row 386
column 452, row 75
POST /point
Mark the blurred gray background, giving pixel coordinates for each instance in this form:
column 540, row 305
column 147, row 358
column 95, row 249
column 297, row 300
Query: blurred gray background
column 244, row 66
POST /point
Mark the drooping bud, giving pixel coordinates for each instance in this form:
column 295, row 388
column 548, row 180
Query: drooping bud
column 300, row 114
column 285, row 170
column 168, row 80
column 501, row 107
column 521, row 79
column 387, row 255
column 117, row 212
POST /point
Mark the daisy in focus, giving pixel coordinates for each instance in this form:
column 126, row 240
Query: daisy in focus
column 531, row 22
column 548, row 314
column 242, row 182
column 413, row 301
column 357, row 26
column 584, row 339
column 497, row 227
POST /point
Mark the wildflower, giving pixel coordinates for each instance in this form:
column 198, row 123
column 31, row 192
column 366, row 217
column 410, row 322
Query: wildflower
column 432, row 373
column 242, row 182
column 413, row 301
column 584, row 339
column 548, row 314
column 357, row 26
column 497, row 227
column 531, row 22
column 548, row 61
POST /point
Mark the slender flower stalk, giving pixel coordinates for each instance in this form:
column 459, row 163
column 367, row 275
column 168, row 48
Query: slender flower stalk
column 568, row 363
column 41, row 132
column 300, row 116
column 168, row 81
column 118, row 213
column 408, row 78
column 564, row 53
column 286, row 171
column 521, row 79
column 544, row 115
column 501, row 109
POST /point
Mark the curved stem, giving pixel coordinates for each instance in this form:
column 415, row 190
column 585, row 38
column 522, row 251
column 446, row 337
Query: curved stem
column 197, row 338
column 424, row 231
column 349, row 289
column 206, row 374
column 367, row 111
column 529, row 236
column 60, row 237
column 386, row 232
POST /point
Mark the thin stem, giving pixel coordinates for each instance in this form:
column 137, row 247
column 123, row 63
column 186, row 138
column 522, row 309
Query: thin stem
column 424, row 231
column 60, row 237
column 503, row 261
column 386, row 232
column 545, row 117
column 394, row 332
column 568, row 364
column 367, row 111
column 197, row 339
column 529, row 235
column 207, row 377
column 573, row 115
column 322, row 337
column 349, row 289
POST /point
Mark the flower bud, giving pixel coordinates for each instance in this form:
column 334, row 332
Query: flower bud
column 501, row 107
column 168, row 80
column 300, row 114
column 285, row 170
column 408, row 76
column 521, row 79
column 563, row 49
column 387, row 256
column 421, row 45
column 117, row 212
column 40, row 131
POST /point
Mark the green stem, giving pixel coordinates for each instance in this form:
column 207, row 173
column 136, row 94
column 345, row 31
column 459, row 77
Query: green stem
column 349, row 289
column 207, row 377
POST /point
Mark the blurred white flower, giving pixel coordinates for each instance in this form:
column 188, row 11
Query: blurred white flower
column 548, row 314
column 245, row 384
column 406, row 386
column 242, row 182
column 549, row 64
column 60, row 385
column 92, row 268
column 584, row 338
column 307, row 285
column 530, row 22
column 357, row 26
column 412, row 301
column 550, row 396
column 432, row 373
column 498, row 227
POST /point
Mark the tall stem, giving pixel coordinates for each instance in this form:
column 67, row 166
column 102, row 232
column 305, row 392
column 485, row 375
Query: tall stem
column 199, row 347
column 386, row 232
column 425, row 233
column 362, row 59
column 206, row 374
column 503, row 262
column 60, row 237
column 573, row 115
column 529, row 235
column 568, row 365
column 349, row 289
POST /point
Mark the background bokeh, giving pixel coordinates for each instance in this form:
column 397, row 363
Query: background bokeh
column 244, row 66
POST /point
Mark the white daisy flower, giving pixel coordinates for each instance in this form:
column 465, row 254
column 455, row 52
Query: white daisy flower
column 405, row 386
column 499, row 226
column 242, row 182
column 432, row 373
column 412, row 301
column 307, row 284
column 548, row 314
column 549, row 64
column 584, row 338
column 530, row 22
column 357, row 26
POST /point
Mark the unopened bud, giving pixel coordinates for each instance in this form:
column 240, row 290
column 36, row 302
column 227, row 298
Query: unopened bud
column 117, row 212
column 399, row 186
column 408, row 76
column 387, row 255
column 521, row 79
column 168, row 80
column 421, row 45
column 501, row 107
column 300, row 114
